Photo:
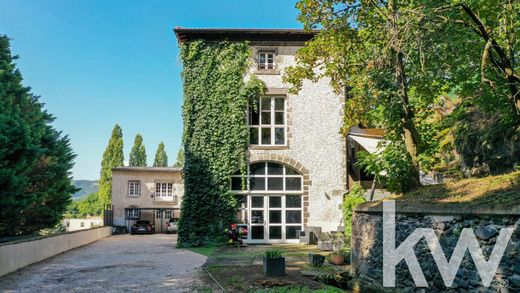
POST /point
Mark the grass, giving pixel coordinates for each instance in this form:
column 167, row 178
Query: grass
column 328, row 289
column 206, row 251
column 500, row 190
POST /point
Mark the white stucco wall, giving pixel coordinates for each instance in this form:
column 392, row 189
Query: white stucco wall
column 315, row 117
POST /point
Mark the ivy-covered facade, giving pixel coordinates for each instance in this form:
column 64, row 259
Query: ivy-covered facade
column 256, row 154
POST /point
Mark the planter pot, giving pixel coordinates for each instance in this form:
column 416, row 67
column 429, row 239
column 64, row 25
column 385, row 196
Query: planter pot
column 338, row 259
column 274, row 267
column 316, row 260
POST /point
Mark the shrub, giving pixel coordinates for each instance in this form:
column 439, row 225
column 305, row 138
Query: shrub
column 273, row 253
column 350, row 201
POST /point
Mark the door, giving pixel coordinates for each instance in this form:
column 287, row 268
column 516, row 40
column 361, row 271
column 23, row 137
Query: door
column 274, row 218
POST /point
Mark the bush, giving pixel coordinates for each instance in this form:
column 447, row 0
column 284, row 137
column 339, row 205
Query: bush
column 273, row 253
column 350, row 201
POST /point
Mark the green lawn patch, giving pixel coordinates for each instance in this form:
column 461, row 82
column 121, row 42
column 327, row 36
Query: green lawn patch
column 206, row 251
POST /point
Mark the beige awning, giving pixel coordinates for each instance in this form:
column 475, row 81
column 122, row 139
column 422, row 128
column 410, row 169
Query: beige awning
column 370, row 144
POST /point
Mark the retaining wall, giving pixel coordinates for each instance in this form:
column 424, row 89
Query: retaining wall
column 447, row 222
column 18, row 254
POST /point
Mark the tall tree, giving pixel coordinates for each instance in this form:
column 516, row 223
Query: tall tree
column 35, row 158
column 138, row 153
column 161, row 158
column 179, row 163
column 112, row 157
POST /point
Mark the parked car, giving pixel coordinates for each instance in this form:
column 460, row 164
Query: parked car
column 142, row 227
column 172, row 226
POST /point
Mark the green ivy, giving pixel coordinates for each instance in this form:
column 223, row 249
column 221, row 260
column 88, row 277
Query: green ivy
column 350, row 201
column 215, row 134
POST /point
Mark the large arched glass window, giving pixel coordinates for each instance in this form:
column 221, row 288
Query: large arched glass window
column 269, row 177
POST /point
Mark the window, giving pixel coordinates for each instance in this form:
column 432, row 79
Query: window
column 134, row 188
column 157, row 214
column 269, row 176
column 82, row 224
column 167, row 214
column 133, row 214
column 267, row 121
column 164, row 191
column 265, row 60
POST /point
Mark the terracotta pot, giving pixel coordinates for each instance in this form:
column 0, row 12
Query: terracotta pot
column 338, row 259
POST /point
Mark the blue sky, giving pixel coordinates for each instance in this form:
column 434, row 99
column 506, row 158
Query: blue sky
column 96, row 63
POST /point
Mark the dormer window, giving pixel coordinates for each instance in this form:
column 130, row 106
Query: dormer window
column 265, row 60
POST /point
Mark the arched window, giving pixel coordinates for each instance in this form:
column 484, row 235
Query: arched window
column 268, row 177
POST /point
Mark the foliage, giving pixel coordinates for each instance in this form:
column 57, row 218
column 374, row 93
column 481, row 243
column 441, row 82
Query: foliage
column 215, row 134
column 138, row 153
column 89, row 206
column 273, row 253
column 179, row 163
column 35, row 158
column 112, row 157
column 351, row 199
column 161, row 158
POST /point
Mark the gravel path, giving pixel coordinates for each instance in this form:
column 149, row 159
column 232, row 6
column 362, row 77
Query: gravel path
column 120, row 263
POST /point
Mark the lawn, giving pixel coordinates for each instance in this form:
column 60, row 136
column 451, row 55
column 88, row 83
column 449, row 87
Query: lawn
column 500, row 190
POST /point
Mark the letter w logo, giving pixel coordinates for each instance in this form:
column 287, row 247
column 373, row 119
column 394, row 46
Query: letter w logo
column 448, row 270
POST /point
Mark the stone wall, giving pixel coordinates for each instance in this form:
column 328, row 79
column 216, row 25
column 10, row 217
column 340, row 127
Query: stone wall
column 314, row 118
column 447, row 222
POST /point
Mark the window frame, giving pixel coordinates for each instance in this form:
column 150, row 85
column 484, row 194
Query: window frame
column 265, row 65
column 266, row 177
column 272, row 125
column 134, row 188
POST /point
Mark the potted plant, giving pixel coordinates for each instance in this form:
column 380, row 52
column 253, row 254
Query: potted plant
column 274, row 263
column 337, row 258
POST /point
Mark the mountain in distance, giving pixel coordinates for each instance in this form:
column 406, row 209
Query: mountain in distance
column 86, row 187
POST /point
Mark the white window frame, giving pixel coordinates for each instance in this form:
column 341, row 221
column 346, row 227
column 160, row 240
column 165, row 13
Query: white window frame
column 157, row 214
column 134, row 214
column 272, row 126
column 164, row 191
column 266, row 176
column 134, row 188
column 167, row 214
column 265, row 56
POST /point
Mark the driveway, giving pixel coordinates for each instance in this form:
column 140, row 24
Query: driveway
column 120, row 263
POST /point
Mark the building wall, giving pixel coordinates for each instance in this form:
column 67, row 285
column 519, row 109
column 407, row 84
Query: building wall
column 121, row 200
column 314, row 118
column 75, row 224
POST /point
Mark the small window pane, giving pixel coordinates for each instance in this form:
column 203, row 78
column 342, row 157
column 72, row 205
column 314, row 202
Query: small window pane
column 279, row 136
column 275, row 232
column 279, row 118
column 293, row 201
column 275, row 201
column 257, row 201
column 275, row 217
column 290, row 232
column 293, row 183
column 266, row 117
column 257, row 183
column 274, row 169
column 257, row 232
column 242, row 216
column 266, row 104
column 293, row 217
column 236, row 183
column 279, row 103
column 258, row 169
column 253, row 135
column 257, row 217
column 274, row 183
column 266, row 135
column 291, row 171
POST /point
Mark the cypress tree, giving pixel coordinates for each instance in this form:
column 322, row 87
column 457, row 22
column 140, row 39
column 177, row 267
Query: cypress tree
column 112, row 157
column 180, row 159
column 138, row 153
column 35, row 158
column 161, row 159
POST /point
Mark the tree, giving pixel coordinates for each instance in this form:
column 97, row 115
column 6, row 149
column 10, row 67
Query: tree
column 35, row 158
column 138, row 153
column 161, row 158
column 180, row 159
column 112, row 157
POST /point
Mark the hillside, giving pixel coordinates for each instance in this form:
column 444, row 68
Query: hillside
column 499, row 190
column 86, row 187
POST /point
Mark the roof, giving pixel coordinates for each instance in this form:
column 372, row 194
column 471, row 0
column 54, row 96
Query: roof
column 367, row 132
column 298, row 36
column 148, row 169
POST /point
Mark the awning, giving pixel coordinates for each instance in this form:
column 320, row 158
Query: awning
column 368, row 143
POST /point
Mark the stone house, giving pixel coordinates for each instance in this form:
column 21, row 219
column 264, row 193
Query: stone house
column 297, row 157
column 146, row 193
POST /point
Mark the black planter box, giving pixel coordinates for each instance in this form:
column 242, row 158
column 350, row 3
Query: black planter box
column 274, row 267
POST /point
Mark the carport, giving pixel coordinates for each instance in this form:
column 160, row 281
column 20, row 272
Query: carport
column 133, row 213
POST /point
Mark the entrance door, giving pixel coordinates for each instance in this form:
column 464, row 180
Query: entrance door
column 274, row 218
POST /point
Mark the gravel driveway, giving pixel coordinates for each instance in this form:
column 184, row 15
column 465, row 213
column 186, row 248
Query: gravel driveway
column 120, row 263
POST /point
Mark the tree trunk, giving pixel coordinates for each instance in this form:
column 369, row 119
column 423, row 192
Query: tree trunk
column 410, row 133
